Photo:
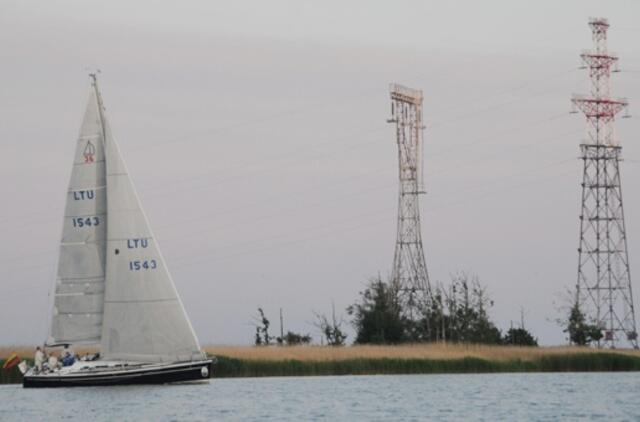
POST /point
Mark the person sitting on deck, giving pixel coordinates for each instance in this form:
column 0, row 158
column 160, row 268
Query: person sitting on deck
column 68, row 358
column 53, row 363
column 38, row 359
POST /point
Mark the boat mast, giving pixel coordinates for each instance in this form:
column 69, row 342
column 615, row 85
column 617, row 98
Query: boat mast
column 94, row 84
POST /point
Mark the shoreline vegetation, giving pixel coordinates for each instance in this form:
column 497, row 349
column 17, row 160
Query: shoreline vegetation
column 266, row 361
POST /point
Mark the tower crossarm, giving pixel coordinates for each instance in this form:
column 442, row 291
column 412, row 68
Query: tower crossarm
column 402, row 93
column 599, row 108
column 599, row 64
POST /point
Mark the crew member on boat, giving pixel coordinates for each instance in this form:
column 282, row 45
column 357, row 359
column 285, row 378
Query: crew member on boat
column 52, row 363
column 38, row 359
column 68, row 358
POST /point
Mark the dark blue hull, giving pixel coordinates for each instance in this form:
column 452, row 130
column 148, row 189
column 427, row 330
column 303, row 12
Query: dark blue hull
column 177, row 372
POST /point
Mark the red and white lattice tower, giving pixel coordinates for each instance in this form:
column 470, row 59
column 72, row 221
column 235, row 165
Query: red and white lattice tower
column 603, row 288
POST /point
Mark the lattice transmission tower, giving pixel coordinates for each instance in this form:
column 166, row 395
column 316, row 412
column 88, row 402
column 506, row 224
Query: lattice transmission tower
column 603, row 289
column 409, row 275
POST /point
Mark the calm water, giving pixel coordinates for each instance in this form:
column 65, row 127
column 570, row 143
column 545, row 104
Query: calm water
column 605, row 396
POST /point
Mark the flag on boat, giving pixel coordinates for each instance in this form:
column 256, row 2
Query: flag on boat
column 11, row 361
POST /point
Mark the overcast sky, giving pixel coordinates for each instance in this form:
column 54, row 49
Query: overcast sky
column 256, row 135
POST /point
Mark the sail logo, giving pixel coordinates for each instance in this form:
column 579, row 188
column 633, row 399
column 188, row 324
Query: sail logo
column 81, row 195
column 137, row 243
column 89, row 153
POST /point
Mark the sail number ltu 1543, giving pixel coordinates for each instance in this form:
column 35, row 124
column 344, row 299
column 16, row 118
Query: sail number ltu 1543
column 141, row 264
column 85, row 221
column 145, row 264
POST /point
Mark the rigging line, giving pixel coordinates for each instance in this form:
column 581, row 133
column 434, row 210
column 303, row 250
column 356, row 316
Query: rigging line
column 499, row 190
column 354, row 146
column 269, row 117
column 500, row 152
column 359, row 176
column 285, row 195
column 443, row 123
column 481, row 194
column 266, row 170
column 500, row 133
column 331, row 233
column 507, row 91
column 508, row 177
column 543, row 78
column 269, row 162
column 279, row 245
column 332, row 226
column 286, row 210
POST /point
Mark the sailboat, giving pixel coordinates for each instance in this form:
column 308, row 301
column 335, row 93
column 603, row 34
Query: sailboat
column 113, row 288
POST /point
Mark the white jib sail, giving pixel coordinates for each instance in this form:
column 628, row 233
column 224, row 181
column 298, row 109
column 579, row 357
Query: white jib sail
column 79, row 290
column 144, row 319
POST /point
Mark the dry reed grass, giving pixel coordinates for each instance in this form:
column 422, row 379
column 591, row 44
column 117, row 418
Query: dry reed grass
column 417, row 351
column 28, row 351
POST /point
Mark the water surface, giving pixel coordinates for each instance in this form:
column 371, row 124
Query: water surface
column 536, row 396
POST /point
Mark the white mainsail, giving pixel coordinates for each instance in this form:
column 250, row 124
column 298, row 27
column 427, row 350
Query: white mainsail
column 142, row 317
column 79, row 291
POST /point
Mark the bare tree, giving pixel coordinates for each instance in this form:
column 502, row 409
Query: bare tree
column 262, row 329
column 331, row 329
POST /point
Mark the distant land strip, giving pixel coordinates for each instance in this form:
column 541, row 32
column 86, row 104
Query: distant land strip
column 271, row 361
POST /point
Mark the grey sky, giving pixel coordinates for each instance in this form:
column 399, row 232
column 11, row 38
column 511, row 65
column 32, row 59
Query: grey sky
column 255, row 133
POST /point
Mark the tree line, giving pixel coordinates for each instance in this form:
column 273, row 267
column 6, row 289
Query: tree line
column 454, row 313
column 457, row 312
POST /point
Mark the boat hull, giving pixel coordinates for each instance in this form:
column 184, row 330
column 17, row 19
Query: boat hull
column 152, row 374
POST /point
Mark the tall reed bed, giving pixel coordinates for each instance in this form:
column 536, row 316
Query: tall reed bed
column 22, row 351
column 417, row 351
column 574, row 362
